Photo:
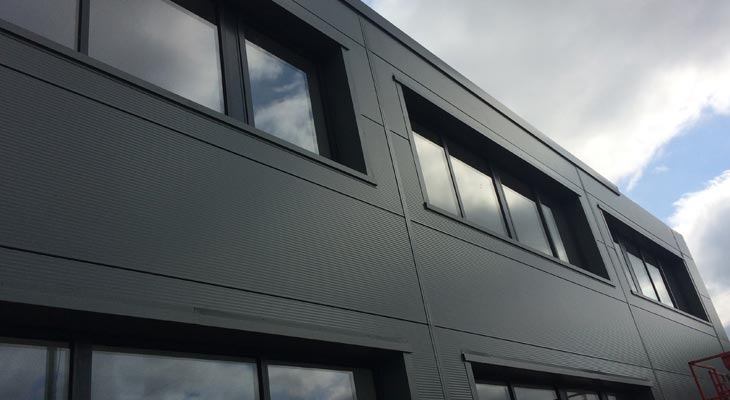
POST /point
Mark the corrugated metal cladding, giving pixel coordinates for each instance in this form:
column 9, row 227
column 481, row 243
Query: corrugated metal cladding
column 118, row 199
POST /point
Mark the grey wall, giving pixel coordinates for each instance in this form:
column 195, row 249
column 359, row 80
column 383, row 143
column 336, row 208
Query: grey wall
column 118, row 198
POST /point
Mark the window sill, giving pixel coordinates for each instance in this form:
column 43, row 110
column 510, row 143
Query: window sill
column 676, row 310
column 174, row 99
column 513, row 242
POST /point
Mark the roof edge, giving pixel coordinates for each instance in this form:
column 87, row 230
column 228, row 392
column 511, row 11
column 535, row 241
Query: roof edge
column 474, row 89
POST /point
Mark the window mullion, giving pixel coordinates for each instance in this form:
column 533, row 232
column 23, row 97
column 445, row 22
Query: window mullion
column 453, row 176
column 622, row 253
column 511, row 231
column 82, row 38
column 511, row 391
column 263, row 375
column 246, row 77
column 231, row 62
column 80, row 371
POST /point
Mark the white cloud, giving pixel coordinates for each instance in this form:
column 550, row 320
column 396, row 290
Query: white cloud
column 702, row 218
column 612, row 81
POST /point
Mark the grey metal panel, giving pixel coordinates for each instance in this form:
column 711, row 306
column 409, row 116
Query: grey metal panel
column 676, row 386
column 671, row 345
column 638, row 218
column 682, row 244
column 335, row 13
column 84, row 180
column 531, row 306
column 357, row 60
column 430, row 218
column 55, row 282
column 452, row 344
column 388, row 95
column 223, row 131
column 714, row 318
column 420, row 71
column 672, row 314
column 725, row 344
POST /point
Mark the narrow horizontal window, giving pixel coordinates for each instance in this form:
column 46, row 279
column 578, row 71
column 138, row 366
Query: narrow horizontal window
column 581, row 395
column 294, row 383
column 653, row 271
column 282, row 102
column 530, row 393
column 478, row 196
column 122, row 376
column 34, row 372
column 487, row 391
column 53, row 19
column 436, row 175
column 172, row 44
column 465, row 174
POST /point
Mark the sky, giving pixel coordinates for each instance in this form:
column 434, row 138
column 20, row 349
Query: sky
column 639, row 90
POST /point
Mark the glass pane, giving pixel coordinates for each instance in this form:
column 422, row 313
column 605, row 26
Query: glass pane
column 579, row 395
column 121, row 376
column 54, row 19
column 661, row 288
column 523, row 393
column 637, row 265
column 436, row 174
column 492, row 392
column 478, row 196
column 161, row 42
column 625, row 267
column 297, row 383
column 555, row 233
column 526, row 218
column 33, row 372
column 281, row 102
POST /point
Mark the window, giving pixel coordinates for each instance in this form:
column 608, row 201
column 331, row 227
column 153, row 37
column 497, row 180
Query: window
column 532, row 393
column 436, row 176
column 463, row 175
column 121, row 376
column 173, row 44
column 290, row 84
column 294, row 383
column 509, row 391
column 53, row 19
column 33, row 371
column 647, row 275
column 282, row 99
column 654, row 272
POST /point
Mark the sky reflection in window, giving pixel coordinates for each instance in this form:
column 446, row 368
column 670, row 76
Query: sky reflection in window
column 122, row 376
column 161, row 42
column 298, row 383
column 280, row 95
column 24, row 369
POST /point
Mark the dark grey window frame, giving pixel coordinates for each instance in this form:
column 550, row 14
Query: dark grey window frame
column 561, row 391
column 495, row 174
column 234, row 87
column 81, row 353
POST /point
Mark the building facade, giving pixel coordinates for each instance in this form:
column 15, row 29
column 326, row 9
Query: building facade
column 291, row 199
